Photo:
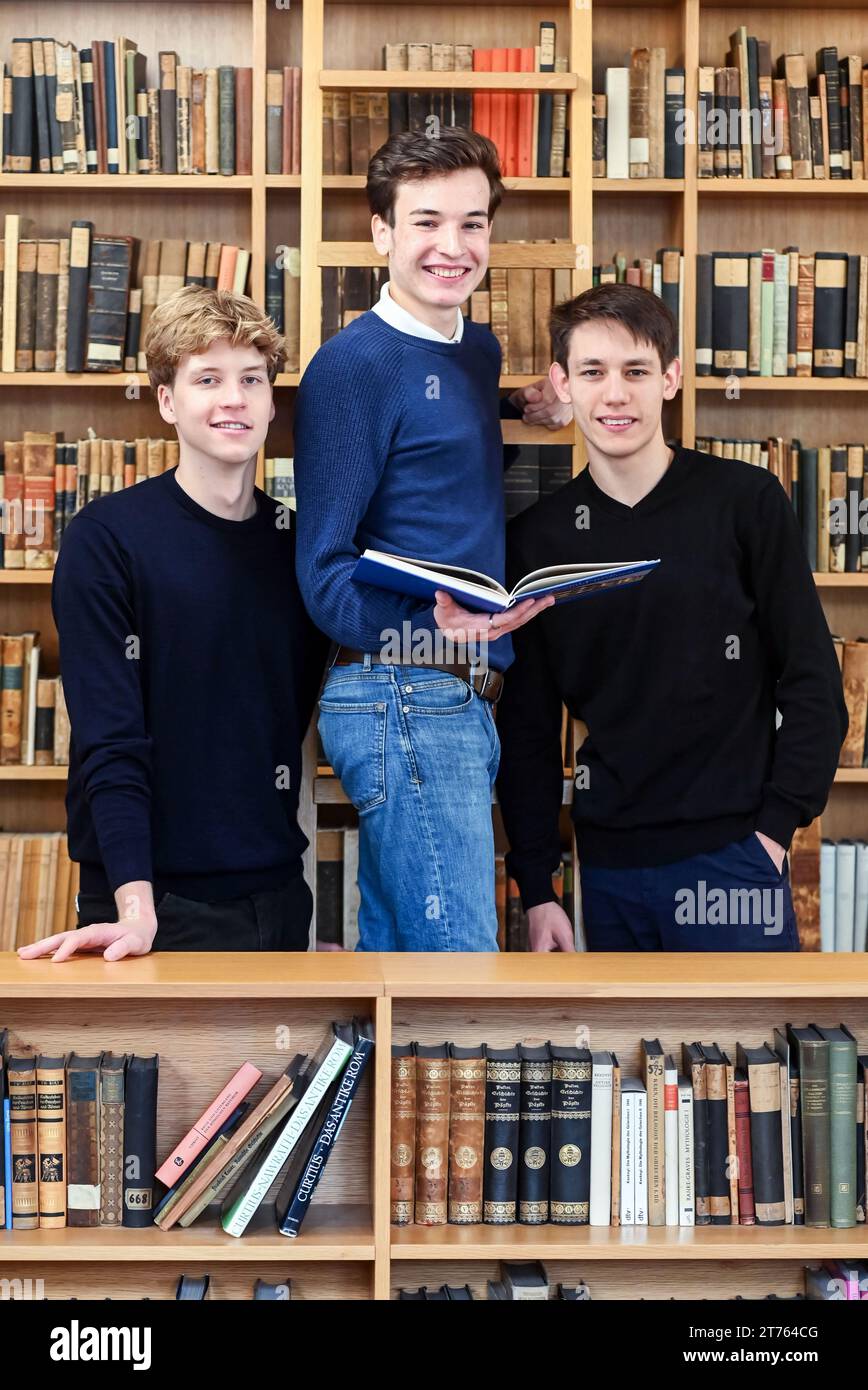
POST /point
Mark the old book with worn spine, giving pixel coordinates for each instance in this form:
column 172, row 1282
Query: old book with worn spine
column 466, row 1133
column 111, row 1138
column 764, row 1081
column 805, row 879
column 502, row 1101
column 243, row 121
column 855, row 675
column 718, row 1138
column 226, row 96
column 746, row 1209
column 140, row 1140
column 47, row 275
column 534, row 1134
column 80, row 238
column 44, row 733
column 813, row 1065
column 21, row 1080
column 652, row 1075
column 82, row 1133
column 842, row 1124
column 11, row 692
column 520, row 315
column 39, row 497
column 168, row 112
column 197, row 121
column 108, row 297
column 26, row 311
column 402, row 1150
column 433, row 1074
column 274, row 118
column 184, row 145
column 62, row 304
column 693, row 1065
column 570, row 1190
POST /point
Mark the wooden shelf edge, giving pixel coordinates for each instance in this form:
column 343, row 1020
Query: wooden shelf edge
column 625, row 1243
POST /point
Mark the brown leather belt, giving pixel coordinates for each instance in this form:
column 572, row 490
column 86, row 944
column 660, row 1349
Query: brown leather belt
column 487, row 684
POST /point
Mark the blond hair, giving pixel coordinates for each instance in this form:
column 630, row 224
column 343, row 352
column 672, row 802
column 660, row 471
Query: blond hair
column 194, row 317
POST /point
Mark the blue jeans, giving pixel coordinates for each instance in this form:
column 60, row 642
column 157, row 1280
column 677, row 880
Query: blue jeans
column 730, row 899
column 417, row 751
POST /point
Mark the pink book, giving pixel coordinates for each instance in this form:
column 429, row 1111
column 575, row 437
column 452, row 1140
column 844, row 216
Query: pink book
column 210, row 1120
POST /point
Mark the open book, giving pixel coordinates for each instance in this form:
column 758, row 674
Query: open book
column 479, row 593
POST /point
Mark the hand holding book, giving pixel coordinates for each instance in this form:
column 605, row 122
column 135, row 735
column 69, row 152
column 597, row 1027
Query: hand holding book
column 463, row 625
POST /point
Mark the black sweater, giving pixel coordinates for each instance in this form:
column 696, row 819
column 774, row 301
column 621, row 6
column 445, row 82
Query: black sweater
column 190, row 670
column 677, row 677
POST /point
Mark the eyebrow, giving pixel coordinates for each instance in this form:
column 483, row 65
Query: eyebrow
column 433, row 212
column 212, row 367
column 629, row 362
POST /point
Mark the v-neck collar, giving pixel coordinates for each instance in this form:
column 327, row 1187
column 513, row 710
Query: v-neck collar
column 658, row 494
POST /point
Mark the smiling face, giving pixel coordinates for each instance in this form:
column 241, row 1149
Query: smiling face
column 438, row 247
column 221, row 402
column 617, row 388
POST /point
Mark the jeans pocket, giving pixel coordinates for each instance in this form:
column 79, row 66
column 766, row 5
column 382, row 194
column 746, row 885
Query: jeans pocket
column 354, row 739
column 445, row 695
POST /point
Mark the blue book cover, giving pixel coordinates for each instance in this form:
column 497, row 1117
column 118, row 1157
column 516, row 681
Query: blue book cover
column 481, row 594
column 7, row 1149
column 363, row 1046
column 111, row 109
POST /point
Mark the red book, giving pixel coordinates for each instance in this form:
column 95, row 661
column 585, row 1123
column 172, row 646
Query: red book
column 525, row 121
column 482, row 100
column 99, row 106
column 208, row 1123
column 498, row 131
column 746, row 1207
column 513, row 115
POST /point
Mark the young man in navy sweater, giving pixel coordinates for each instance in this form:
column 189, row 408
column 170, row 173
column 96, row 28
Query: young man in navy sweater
column 398, row 447
column 190, row 667
column 686, row 795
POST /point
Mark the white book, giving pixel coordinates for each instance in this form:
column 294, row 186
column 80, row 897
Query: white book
column 236, row 1220
column 627, row 1145
column 686, row 1204
column 641, row 1170
column 827, row 896
column 351, row 889
column 670, row 1140
column 601, row 1139
column 845, row 894
column 860, row 915
column 617, row 123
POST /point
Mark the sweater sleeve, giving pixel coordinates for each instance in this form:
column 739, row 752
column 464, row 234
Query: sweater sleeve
column 96, row 623
column 530, row 781
column 343, row 430
column 809, row 693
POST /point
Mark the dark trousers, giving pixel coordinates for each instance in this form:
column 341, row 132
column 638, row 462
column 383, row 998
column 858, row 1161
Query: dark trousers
column 731, row 899
column 276, row 920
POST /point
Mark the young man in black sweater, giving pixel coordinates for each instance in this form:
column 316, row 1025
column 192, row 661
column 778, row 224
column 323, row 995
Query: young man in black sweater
column 686, row 795
column 190, row 667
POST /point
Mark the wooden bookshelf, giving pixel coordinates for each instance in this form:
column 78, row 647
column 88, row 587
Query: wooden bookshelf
column 203, row 1013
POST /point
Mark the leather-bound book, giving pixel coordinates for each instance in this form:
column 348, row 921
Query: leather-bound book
column 827, row 67
column 194, row 273
column 639, row 120
column 652, row 1075
column 766, row 105
column 22, row 107
column 341, row 131
column 184, row 150
column 42, row 151
column 11, row 698
column 47, row 278
column 598, row 136
column 673, row 104
column 111, row 1138
column 21, row 1080
column 140, row 1140
column 793, row 67
column 212, row 121
column 155, row 138
column 534, row 1134
column 243, row 120
column 328, row 133
column 82, row 1133
column 851, row 70
column 786, row 1062
column 730, row 314
column 44, row 734
column 274, row 293
column 134, row 330
column 80, row 238
column 395, row 60
column 402, row 1148
column 360, row 139
column 837, row 514
column 274, row 122
column 13, row 491
column 39, row 498
column 433, row 1073
column 66, row 94
column 805, row 884
column 815, row 111
column 108, row 296
column 168, row 112
column 520, row 312
column 851, row 317
column 197, row 121
column 746, row 1209
column 570, row 1190
column 805, row 317
column 854, row 542
column 830, row 294
column 693, row 1064
column 763, row 1074
column 855, row 676
column 466, row 1133
column 794, row 1117
column 378, row 120
column 99, row 111
column 719, row 1205
column 26, row 311
column 502, row 1099
column 226, row 93
column 808, row 465
column 842, row 1124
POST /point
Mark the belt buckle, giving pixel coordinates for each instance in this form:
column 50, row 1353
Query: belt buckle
column 482, row 688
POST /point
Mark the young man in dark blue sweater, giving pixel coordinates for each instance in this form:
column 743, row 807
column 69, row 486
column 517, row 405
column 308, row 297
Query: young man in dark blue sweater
column 190, row 667
column 686, row 795
column 398, row 447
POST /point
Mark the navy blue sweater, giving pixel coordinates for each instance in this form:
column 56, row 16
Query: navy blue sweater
column 190, row 671
column 398, row 448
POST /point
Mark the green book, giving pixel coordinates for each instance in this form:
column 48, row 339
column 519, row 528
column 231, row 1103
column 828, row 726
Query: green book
column 842, row 1124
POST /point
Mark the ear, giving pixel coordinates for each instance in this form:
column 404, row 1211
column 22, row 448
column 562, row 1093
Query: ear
column 166, row 404
column 560, row 383
column 671, row 379
column 381, row 234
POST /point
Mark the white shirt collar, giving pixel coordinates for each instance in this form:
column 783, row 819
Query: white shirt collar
column 405, row 322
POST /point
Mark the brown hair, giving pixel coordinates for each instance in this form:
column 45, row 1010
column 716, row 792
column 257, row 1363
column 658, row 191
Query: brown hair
column 194, row 317
column 411, row 156
column 644, row 315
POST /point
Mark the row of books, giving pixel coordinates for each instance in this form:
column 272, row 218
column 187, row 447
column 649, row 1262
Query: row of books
column 34, row 724
column 83, row 302
column 843, row 895
column 538, row 470
column 283, row 120
column 279, row 480
column 80, row 1139
column 540, row 1132
column 90, row 111
column 781, row 313
column 638, row 130
column 44, row 482
column 38, row 884
column 792, row 126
